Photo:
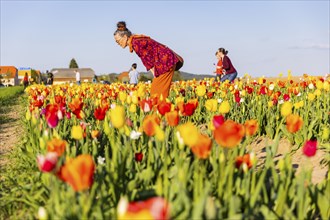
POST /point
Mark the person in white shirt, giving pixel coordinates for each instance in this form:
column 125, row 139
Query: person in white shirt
column 77, row 77
column 133, row 75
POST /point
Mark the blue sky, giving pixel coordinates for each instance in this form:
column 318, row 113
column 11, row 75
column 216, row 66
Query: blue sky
column 262, row 37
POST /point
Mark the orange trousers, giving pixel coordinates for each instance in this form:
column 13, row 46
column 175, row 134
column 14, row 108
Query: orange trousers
column 161, row 85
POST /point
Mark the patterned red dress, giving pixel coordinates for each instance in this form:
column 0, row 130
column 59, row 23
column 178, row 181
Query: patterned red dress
column 158, row 58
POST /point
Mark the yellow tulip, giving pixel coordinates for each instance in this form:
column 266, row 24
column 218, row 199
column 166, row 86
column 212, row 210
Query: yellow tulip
column 317, row 92
column 179, row 99
column 270, row 104
column 77, row 132
column 311, row 96
column 122, row 96
column 224, row 107
column 135, row 99
column 201, row 90
column 319, row 84
column 132, row 108
column 286, row 109
column 117, row 116
column 211, row 105
column 326, row 86
column 141, row 90
column 298, row 104
column 129, row 99
column 160, row 135
column 189, row 133
column 211, row 126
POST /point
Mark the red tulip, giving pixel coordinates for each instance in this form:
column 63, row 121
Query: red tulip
column 138, row 157
column 164, row 107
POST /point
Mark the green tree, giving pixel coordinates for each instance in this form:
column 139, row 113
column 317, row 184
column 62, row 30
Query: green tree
column 143, row 78
column 35, row 76
column 73, row 63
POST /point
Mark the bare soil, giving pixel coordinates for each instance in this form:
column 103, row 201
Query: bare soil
column 299, row 161
column 10, row 131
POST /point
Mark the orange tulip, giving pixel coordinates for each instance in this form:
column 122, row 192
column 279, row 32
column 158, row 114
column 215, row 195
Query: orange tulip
column 245, row 159
column 229, row 134
column 172, row 118
column 202, row 148
column 95, row 134
column 76, row 106
column 251, row 127
column 57, row 146
column 149, row 125
column 79, row 172
column 293, row 123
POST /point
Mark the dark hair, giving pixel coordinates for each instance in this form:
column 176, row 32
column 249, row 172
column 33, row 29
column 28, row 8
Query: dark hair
column 222, row 50
column 122, row 29
column 134, row 65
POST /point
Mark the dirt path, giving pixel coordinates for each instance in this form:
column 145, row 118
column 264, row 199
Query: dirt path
column 10, row 130
column 299, row 161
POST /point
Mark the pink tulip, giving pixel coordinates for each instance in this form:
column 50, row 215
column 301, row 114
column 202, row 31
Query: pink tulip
column 47, row 163
column 309, row 148
column 218, row 120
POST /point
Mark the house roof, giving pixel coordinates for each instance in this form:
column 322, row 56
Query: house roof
column 69, row 72
column 8, row 69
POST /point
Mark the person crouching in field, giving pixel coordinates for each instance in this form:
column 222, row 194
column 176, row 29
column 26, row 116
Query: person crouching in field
column 229, row 70
column 156, row 57
column 219, row 68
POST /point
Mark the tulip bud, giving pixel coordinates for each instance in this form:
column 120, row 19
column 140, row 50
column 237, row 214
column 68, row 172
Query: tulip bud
column 281, row 164
column 42, row 213
column 122, row 206
column 42, row 143
column 245, row 167
column 28, row 115
column 325, row 133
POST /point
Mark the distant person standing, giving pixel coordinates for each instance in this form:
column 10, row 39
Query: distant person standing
column 50, row 78
column 229, row 70
column 219, row 68
column 133, row 75
column 77, row 77
column 26, row 80
column 94, row 80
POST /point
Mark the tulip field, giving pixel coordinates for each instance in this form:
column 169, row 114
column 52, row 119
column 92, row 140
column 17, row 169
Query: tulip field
column 99, row 151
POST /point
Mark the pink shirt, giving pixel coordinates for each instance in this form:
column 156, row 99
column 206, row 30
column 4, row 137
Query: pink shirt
column 153, row 54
